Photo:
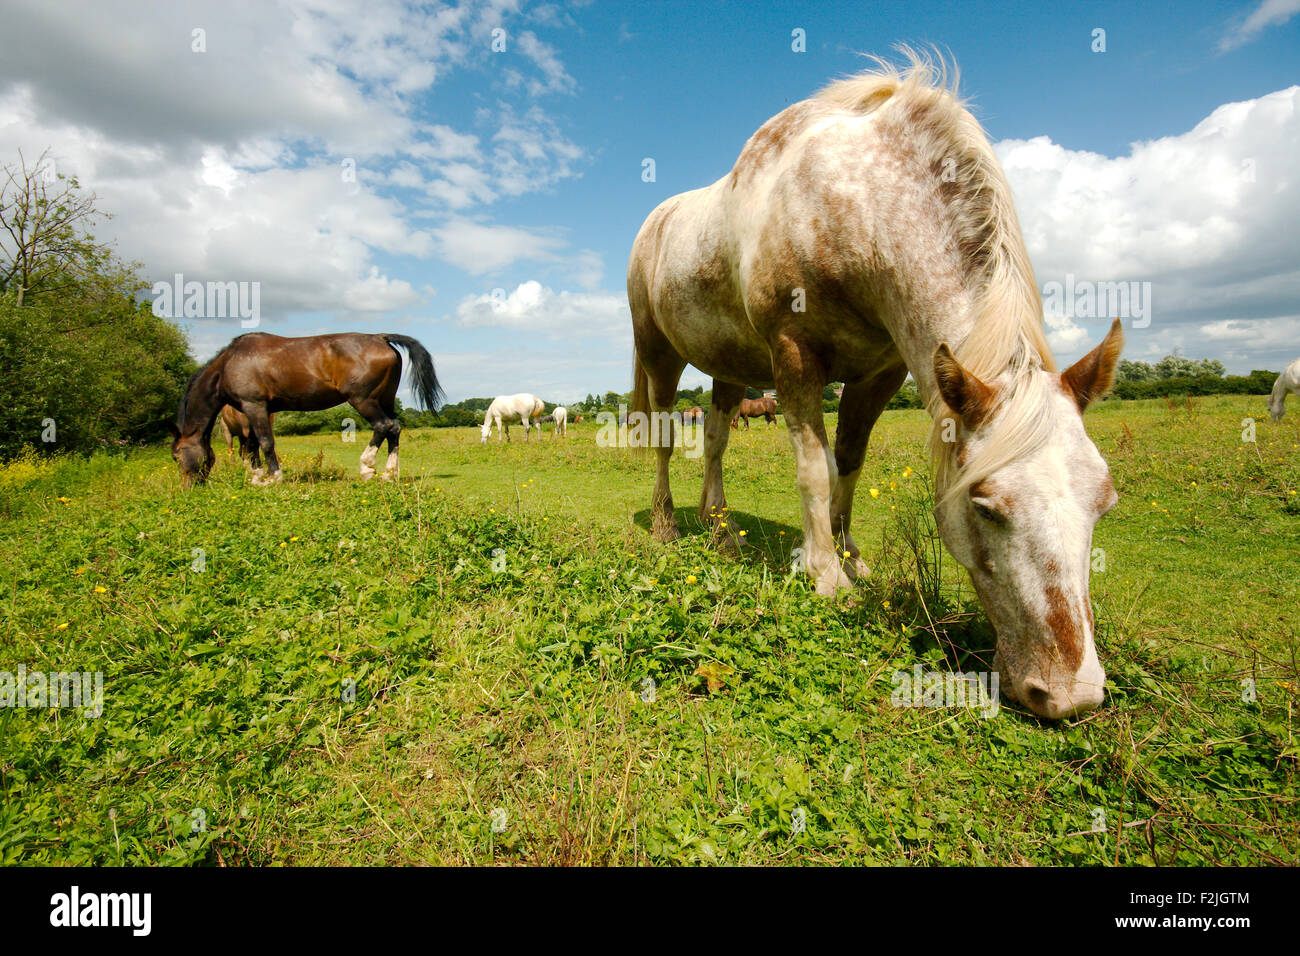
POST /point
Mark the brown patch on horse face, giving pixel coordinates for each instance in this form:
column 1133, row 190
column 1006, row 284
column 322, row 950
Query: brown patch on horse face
column 1062, row 626
column 1106, row 496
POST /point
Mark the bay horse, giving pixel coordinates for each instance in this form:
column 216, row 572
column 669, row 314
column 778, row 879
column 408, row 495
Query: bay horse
column 764, row 407
column 260, row 374
column 864, row 233
column 693, row 415
column 504, row 409
column 1287, row 382
column 234, row 424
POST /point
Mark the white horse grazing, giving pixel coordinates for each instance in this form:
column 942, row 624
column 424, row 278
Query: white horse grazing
column 879, row 208
column 505, row 409
column 1288, row 381
column 561, row 417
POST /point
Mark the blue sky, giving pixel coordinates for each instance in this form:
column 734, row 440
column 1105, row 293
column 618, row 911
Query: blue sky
column 520, row 171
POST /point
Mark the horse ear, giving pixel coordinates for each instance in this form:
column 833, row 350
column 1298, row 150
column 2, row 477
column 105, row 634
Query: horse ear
column 962, row 392
column 171, row 427
column 1093, row 375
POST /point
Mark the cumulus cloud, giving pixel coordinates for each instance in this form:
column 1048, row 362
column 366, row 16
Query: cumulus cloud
column 1207, row 217
column 538, row 308
column 279, row 142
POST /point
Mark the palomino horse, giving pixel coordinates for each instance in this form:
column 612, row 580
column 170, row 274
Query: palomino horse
column 1288, row 381
column 561, row 418
column 764, row 407
column 260, row 374
column 879, row 207
column 234, row 424
column 505, row 409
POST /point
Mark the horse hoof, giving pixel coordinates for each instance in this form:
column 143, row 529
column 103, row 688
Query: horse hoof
column 388, row 476
column 856, row 569
column 832, row 581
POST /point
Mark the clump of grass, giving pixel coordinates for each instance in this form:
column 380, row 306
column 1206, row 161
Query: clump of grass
column 318, row 469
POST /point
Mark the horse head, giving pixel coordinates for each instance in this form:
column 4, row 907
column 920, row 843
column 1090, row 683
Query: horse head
column 1023, row 524
column 193, row 454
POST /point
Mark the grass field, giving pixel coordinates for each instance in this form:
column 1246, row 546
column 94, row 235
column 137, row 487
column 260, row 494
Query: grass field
column 492, row 662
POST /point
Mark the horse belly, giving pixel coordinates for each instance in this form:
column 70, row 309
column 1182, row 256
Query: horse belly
column 724, row 351
column 312, row 400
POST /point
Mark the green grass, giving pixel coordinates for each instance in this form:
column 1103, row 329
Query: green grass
column 229, row 735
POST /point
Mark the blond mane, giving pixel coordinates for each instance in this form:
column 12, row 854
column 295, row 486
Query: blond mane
column 1006, row 342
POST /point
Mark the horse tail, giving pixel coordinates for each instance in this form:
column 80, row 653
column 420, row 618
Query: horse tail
column 424, row 380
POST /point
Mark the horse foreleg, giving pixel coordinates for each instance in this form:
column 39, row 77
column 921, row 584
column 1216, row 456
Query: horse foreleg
column 260, row 422
column 800, row 379
column 860, row 407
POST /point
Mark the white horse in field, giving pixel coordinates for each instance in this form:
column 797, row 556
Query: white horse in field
column 1288, row 381
column 561, row 419
column 505, row 409
column 881, row 204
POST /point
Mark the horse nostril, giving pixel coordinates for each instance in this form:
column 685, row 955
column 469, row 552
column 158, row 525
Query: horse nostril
column 1036, row 695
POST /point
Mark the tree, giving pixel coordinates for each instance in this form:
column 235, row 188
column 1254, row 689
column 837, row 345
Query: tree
column 83, row 359
column 46, row 243
column 1135, row 372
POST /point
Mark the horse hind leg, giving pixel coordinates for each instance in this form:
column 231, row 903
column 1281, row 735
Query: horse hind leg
column 717, row 432
column 260, row 422
column 392, row 468
column 374, row 414
column 860, row 407
column 657, row 374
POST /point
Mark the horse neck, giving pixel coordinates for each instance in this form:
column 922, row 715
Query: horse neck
column 923, row 321
column 203, row 404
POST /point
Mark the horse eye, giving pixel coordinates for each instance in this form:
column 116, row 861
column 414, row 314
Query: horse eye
column 988, row 513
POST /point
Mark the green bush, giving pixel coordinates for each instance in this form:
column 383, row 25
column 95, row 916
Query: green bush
column 106, row 373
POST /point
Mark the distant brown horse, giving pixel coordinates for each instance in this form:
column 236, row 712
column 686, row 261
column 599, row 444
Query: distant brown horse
column 260, row 374
column 754, row 408
column 695, row 414
column 234, row 424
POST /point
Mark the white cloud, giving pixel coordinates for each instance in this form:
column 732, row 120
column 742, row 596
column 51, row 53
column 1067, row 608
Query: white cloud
column 479, row 248
column 537, row 308
column 1267, row 14
column 1063, row 335
column 229, row 163
column 1207, row 217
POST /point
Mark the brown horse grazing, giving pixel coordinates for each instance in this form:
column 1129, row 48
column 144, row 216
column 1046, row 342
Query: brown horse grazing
column 764, row 407
column 260, row 374
column 694, row 414
column 234, row 424
column 864, row 233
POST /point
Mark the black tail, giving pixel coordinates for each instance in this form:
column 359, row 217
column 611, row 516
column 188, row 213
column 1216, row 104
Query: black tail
column 424, row 380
